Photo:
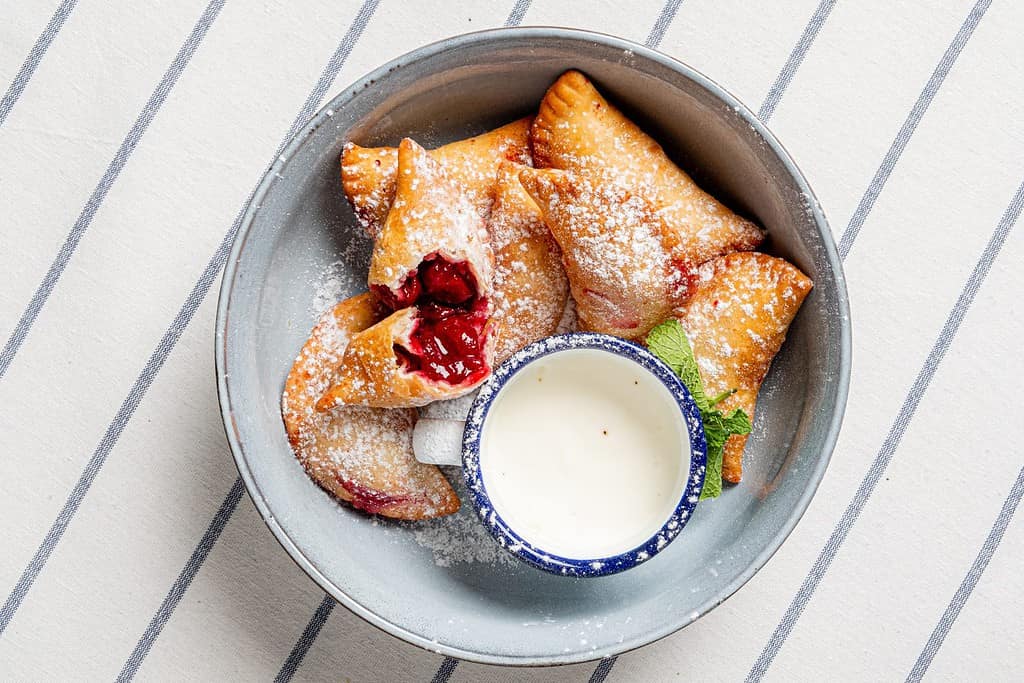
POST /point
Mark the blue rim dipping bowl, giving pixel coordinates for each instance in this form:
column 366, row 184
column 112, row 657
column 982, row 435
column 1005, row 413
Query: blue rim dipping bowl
column 476, row 476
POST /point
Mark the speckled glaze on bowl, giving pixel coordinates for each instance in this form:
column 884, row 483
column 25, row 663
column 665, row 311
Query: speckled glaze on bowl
column 476, row 480
column 299, row 223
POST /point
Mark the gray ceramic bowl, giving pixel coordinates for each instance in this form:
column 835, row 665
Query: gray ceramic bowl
column 410, row 579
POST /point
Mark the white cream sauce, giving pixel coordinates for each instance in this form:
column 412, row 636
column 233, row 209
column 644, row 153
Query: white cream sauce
column 584, row 454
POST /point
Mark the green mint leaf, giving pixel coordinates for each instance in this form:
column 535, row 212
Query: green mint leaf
column 717, row 430
column 715, row 439
column 736, row 422
column 668, row 342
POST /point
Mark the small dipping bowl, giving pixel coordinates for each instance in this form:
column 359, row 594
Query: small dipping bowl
column 614, row 371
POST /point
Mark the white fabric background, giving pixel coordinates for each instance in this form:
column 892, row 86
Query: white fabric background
column 951, row 473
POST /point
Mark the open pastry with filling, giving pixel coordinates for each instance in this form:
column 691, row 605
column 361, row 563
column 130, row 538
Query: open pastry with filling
column 433, row 243
column 577, row 129
column 432, row 265
column 368, row 173
column 361, row 455
column 614, row 248
column 414, row 356
column 530, row 286
column 736, row 321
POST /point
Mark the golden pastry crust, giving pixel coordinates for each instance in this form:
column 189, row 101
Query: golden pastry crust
column 371, row 374
column 577, row 129
column 530, row 285
column 368, row 178
column 368, row 173
column 736, row 322
column 361, row 455
column 429, row 216
column 621, row 275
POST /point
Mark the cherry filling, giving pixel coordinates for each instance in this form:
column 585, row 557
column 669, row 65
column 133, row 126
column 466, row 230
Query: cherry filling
column 370, row 500
column 447, row 344
column 437, row 280
column 446, row 282
column 448, row 339
column 687, row 279
column 404, row 296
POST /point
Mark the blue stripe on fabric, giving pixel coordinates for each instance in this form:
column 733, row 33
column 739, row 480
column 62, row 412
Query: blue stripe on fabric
column 789, row 69
column 181, row 584
column 309, row 634
column 35, row 55
column 515, row 18
column 200, row 290
column 661, row 24
column 603, row 669
column 518, row 13
column 445, row 671
column 992, row 541
column 963, row 593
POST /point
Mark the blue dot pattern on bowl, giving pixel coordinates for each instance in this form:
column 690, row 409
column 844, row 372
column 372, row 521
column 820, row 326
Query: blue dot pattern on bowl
column 508, row 538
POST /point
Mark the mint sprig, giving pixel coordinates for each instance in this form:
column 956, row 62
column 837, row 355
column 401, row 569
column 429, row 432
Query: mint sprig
column 668, row 342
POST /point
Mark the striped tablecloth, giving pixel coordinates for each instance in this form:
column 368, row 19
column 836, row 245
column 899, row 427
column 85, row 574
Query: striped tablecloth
column 131, row 135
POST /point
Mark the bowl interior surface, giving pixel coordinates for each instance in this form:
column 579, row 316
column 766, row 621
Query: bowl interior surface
column 419, row 581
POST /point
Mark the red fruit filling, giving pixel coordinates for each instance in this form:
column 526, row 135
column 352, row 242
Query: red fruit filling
column 371, row 500
column 448, row 339
column 404, row 296
column 447, row 344
column 687, row 279
column 446, row 282
column 437, row 280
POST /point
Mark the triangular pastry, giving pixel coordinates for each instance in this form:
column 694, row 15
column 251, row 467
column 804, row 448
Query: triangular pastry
column 530, row 286
column 577, row 129
column 361, row 455
column 368, row 173
column 621, row 274
column 414, row 356
column 736, row 321
column 433, row 244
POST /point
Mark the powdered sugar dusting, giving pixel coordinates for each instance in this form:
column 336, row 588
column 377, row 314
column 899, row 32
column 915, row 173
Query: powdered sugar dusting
column 452, row 409
column 577, row 129
column 430, row 215
column 368, row 174
column 361, row 455
column 530, row 286
column 461, row 539
column 738, row 316
column 342, row 277
column 332, row 283
column 736, row 321
column 621, row 274
column 568, row 322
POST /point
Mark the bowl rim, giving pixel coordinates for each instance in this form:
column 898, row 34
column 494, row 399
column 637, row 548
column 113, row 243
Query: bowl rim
column 426, row 52
column 689, row 489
